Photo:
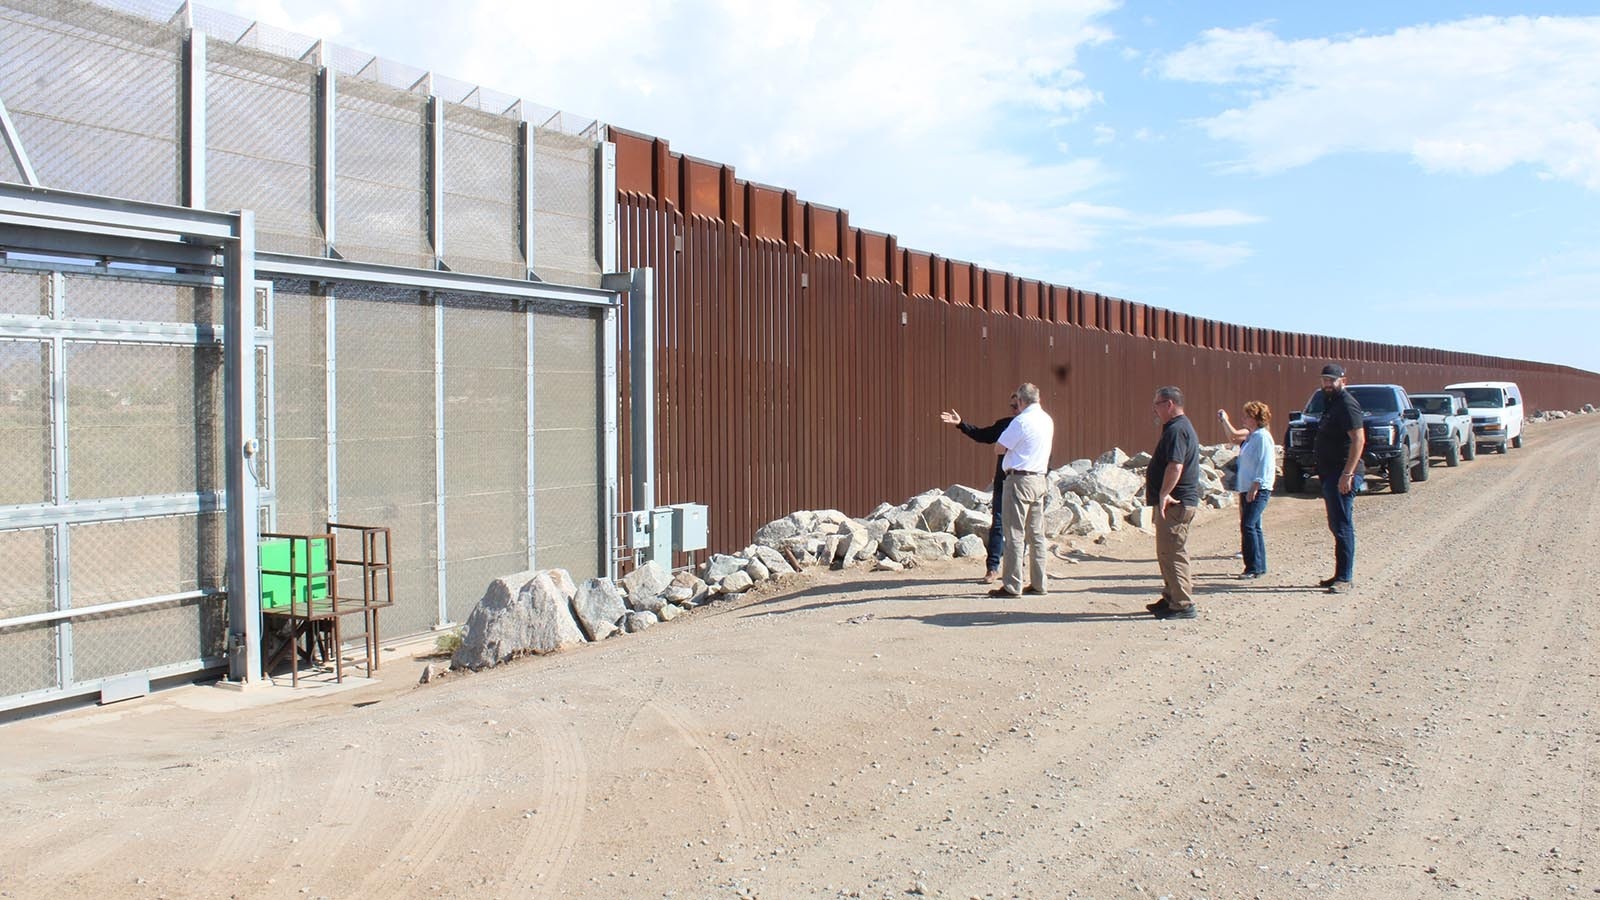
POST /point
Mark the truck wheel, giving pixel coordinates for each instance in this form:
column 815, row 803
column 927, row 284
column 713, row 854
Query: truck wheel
column 1517, row 441
column 1420, row 471
column 1452, row 455
column 1294, row 477
column 1399, row 475
column 1470, row 451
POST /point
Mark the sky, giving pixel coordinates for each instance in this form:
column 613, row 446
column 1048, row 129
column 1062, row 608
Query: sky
column 1422, row 173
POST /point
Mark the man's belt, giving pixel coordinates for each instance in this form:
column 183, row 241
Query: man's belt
column 1022, row 472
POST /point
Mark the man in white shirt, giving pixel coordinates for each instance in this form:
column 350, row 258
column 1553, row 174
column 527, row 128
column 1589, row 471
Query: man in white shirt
column 1024, row 448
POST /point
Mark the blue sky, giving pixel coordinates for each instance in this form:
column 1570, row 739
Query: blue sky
column 1417, row 173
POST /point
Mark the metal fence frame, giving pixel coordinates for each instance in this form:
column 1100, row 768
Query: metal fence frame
column 220, row 246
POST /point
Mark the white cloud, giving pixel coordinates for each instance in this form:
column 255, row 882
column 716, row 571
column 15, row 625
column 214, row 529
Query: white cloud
column 1208, row 255
column 1471, row 97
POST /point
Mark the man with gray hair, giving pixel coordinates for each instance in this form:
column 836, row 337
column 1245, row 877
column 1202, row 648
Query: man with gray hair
column 1024, row 450
column 1172, row 488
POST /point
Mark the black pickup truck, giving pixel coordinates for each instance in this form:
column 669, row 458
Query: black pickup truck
column 1397, row 445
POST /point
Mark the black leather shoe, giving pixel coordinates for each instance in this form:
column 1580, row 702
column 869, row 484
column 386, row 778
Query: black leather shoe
column 1158, row 607
column 1249, row 576
column 1187, row 612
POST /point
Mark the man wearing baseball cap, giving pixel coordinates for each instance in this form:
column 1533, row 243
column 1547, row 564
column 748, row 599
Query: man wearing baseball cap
column 1341, row 437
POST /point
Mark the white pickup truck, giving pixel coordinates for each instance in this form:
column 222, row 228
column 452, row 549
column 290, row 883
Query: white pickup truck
column 1449, row 426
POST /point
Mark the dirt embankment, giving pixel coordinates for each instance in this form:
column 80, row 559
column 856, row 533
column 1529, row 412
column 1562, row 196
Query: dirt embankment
column 1432, row 734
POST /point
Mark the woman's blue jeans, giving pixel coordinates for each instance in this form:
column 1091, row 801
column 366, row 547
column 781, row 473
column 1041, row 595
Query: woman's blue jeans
column 1253, row 542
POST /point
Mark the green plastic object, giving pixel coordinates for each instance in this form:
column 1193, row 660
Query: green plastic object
column 281, row 589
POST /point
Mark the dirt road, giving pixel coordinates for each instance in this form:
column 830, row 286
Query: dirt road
column 1432, row 734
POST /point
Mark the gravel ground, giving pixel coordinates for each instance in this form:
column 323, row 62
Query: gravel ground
column 1432, row 734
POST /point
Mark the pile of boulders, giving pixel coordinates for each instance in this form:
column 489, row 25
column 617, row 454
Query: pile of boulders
column 1552, row 415
column 539, row 612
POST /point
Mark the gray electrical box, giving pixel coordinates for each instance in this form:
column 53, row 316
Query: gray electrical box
column 661, row 537
column 689, row 526
column 636, row 525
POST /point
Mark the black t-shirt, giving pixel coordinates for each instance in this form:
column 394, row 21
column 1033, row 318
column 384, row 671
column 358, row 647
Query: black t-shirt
column 1178, row 444
column 1341, row 416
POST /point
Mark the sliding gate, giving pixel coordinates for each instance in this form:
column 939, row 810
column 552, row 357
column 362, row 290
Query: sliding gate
column 116, row 385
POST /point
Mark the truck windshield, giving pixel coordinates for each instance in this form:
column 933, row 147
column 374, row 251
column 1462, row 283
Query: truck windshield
column 1484, row 398
column 1373, row 401
column 1432, row 406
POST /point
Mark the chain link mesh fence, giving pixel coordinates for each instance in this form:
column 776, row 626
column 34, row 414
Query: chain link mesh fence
column 143, row 419
column 261, row 144
column 565, row 201
column 566, row 443
column 381, row 174
column 482, row 217
column 27, row 556
column 96, row 97
column 485, row 447
column 25, row 435
column 140, row 300
column 300, row 373
column 386, row 438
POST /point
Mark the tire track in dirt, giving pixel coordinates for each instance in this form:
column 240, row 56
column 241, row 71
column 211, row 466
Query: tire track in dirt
column 748, row 819
column 432, row 828
column 555, row 825
column 344, row 815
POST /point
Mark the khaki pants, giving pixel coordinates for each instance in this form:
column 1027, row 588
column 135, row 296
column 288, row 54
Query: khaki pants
column 1024, row 521
column 1172, row 553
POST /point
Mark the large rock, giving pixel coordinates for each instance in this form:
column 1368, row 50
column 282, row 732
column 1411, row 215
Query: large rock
column 921, row 501
column 974, row 522
column 647, row 580
column 940, row 515
column 737, row 582
column 1093, row 520
column 854, row 541
column 902, row 543
column 757, row 572
column 828, row 519
column 774, row 533
column 876, row 529
column 721, row 565
column 1113, row 516
column 524, row 613
column 1143, row 518
column 970, row 546
column 635, row 622
column 598, row 606
column 880, row 510
column 1138, row 461
column 1059, row 519
column 1222, row 454
column 902, row 518
column 1112, row 457
column 770, row 558
column 971, row 498
column 1113, row 484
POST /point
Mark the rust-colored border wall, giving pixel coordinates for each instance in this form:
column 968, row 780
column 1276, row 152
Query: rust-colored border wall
column 801, row 363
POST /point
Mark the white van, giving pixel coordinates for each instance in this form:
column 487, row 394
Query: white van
column 1496, row 408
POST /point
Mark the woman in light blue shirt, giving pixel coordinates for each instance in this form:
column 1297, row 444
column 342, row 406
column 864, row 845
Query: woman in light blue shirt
column 1258, row 470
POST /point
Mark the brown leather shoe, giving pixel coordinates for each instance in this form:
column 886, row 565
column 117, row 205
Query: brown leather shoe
column 990, row 577
column 1002, row 592
column 1033, row 590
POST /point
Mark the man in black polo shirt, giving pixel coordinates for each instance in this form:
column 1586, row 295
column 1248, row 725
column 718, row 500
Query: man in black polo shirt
column 1172, row 489
column 1341, row 437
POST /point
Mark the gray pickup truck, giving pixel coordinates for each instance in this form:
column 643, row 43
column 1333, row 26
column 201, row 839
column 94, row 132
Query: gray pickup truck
column 1449, row 425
